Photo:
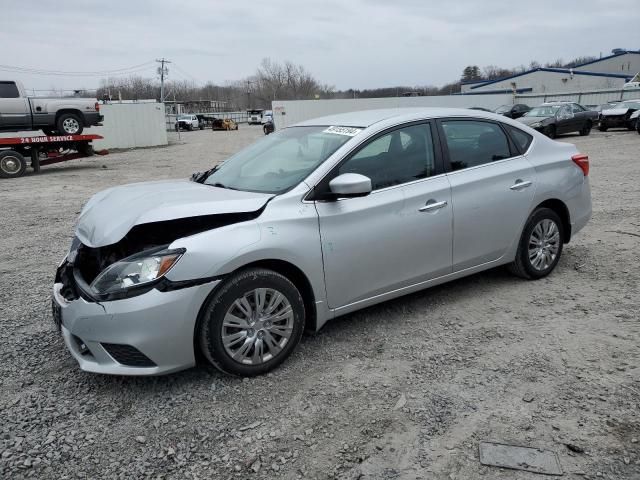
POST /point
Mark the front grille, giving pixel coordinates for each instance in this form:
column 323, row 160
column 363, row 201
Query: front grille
column 128, row 355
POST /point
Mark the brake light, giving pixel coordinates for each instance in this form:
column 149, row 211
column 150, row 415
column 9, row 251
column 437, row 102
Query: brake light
column 582, row 161
column 97, row 107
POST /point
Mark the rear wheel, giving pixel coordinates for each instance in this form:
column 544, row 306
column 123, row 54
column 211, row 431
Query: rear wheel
column 603, row 127
column 550, row 131
column 12, row 164
column 540, row 245
column 69, row 124
column 252, row 323
column 586, row 130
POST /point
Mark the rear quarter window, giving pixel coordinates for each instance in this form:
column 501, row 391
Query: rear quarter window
column 520, row 138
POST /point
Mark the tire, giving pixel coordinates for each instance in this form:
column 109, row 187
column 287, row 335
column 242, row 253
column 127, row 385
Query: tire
column 523, row 266
column 85, row 149
column 586, row 130
column 241, row 287
column 49, row 131
column 12, row 164
column 602, row 127
column 69, row 124
column 550, row 131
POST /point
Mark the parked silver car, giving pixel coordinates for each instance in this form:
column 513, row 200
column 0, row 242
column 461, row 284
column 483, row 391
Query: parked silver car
column 316, row 221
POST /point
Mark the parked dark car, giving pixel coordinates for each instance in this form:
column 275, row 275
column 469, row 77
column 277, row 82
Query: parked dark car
column 619, row 116
column 554, row 118
column 513, row 111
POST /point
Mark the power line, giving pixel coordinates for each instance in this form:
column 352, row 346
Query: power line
column 184, row 73
column 115, row 72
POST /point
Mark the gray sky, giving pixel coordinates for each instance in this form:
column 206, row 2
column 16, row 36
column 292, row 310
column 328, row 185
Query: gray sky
column 348, row 43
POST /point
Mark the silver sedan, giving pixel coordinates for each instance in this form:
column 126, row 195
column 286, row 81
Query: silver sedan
column 318, row 220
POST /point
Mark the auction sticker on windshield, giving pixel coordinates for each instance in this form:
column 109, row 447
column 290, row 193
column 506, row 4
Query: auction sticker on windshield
column 348, row 131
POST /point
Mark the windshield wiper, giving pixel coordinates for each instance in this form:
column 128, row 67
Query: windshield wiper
column 200, row 177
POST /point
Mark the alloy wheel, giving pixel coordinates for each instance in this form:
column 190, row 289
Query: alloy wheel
column 71, row 125
column 257, row 326
column 544, row 244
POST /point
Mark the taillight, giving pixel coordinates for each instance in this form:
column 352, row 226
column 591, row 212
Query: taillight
column 97, row 107
column 582, row 161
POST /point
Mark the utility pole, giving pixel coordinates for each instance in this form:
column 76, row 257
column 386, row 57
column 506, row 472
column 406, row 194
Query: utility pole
column 249, row 82
column 162, row 71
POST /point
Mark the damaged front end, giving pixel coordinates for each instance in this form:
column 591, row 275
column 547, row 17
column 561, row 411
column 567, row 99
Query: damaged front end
column 138, row 262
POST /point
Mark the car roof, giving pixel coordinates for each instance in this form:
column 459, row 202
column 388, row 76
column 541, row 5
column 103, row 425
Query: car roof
column 366, row 118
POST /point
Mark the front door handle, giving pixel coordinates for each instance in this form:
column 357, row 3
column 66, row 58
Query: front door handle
column 432, row 205
column 519, row 185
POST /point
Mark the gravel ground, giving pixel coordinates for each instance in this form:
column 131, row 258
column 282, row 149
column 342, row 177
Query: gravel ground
column 406, row 389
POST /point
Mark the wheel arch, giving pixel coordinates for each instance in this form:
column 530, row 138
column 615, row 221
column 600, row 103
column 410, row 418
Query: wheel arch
column 561, row 209
column 283, row 267
column 74, row 111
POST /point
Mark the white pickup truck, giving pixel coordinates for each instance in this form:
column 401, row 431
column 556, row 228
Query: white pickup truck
column 64, row 116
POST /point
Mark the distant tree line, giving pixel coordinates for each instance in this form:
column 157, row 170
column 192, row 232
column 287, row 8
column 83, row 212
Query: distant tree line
column 288, row 81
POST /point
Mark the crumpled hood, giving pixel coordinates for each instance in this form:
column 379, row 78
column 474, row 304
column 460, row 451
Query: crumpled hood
column 529, row 120
column 110, row 214
column 615, row 111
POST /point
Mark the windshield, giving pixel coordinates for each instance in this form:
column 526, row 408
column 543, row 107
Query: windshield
column 543, row 111
column 503, row 109
column 280, row 161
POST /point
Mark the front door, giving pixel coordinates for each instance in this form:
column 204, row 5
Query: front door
column 492, row 189
column 398, row 235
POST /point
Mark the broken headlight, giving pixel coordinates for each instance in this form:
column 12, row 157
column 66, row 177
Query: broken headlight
column 136, row 270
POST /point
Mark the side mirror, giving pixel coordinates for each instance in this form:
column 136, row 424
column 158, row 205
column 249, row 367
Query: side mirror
column 350, row 185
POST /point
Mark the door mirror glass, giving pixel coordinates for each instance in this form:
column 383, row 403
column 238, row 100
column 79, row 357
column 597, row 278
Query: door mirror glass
column 350, row 185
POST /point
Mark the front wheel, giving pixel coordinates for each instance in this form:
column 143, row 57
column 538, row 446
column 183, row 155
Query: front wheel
column 603, row 127
column 540, row 245
column 252, row 323
column 12, row 164
column 69, row 124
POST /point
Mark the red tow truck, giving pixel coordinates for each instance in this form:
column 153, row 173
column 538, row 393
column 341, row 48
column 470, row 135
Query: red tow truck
column 43, row 150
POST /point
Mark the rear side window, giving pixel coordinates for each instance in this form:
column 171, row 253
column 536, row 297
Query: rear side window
column 9, row 90
column 520, row 138
column 473, row 142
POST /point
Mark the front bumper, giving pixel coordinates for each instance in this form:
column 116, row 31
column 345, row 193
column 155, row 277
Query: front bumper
column 150, row 334
column 617, row 121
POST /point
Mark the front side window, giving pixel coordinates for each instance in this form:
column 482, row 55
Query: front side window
column 474, row 142
column 575, row 108
column 400, row 156
column 279, row 161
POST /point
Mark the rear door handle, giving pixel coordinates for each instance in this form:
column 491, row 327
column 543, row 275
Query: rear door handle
column 519, row 185
column 430, row 207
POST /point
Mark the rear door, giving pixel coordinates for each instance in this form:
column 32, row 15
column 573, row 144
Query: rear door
column 492, row 188
column 14, row 110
